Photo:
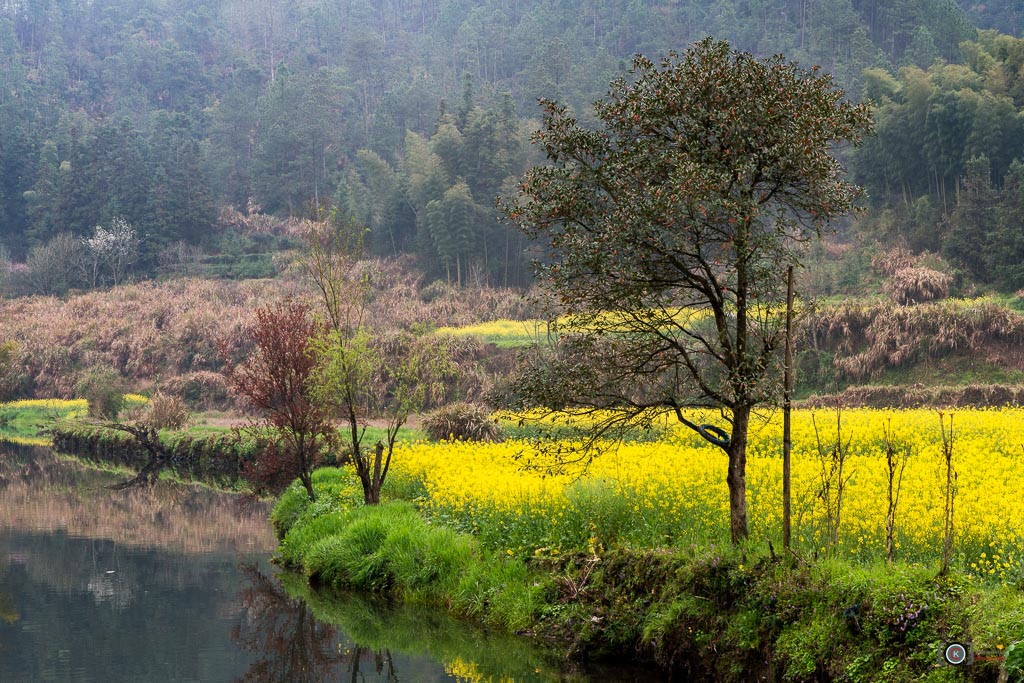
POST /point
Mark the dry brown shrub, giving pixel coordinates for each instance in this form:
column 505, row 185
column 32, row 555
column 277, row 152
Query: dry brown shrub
column 917, row 284
column 202, row 389
column 400, row 297
column 893, row 260
column 920, row 396
column 462, row 422
column 253, row 221
column 912, row 278
column 475, row 369
column 166, row 412
column 869, row 338
column 145, row 331
column 166, row 334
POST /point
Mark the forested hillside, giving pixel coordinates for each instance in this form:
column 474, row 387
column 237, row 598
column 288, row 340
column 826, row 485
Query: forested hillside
column 945, row 169
column 185, row 123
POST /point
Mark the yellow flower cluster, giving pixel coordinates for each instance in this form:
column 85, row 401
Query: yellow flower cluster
column 29, row 410
column 62, row 404
column 496, row 329
column 47, row 404
column 520, row 332
column 999, row 562
column 673, row 491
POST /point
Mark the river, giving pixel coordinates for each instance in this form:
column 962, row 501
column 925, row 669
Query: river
column 173, row 584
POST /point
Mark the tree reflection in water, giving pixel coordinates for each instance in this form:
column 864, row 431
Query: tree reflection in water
column 292, row 644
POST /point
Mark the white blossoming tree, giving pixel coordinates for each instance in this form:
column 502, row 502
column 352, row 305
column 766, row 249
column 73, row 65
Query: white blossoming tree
column 111, row 251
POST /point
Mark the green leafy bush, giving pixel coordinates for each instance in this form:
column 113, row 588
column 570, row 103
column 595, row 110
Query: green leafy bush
column 1015, row 661
column 104, row 390
column 336, row 490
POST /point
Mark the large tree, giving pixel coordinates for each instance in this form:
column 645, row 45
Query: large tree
column 670, row 229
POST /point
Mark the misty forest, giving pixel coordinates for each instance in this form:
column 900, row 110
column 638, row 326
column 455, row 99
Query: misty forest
column 205, row 126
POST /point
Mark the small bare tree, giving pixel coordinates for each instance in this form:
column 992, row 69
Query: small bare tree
column 948, row 492
column 179, row 259
column 147, row 437
column 832, row 458
column 55, row 267
column 896, row 456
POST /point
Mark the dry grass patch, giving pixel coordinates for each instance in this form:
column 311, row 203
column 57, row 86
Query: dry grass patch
column 870, row 338
column 164, row 335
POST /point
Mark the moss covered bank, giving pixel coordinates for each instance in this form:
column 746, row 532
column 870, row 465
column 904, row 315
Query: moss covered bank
column 701, row 613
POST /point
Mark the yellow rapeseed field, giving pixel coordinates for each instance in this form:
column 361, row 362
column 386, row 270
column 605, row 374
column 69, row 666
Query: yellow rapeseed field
column 47, row 404
column 523, row 332
column 50, row 408
column 672, row 491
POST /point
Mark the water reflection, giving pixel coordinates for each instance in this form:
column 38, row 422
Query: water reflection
column 101, row 585
column 46, row 493
column 293, row 645
column 290, row 643
column 146, row 585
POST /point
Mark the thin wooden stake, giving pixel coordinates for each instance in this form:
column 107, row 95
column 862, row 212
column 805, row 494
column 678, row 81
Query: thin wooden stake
column 787, row 396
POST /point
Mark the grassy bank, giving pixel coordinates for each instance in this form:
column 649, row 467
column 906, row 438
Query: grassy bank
column 212, row 455
column 467, row 652
column 702, row 612
column 391, row 549
column 27, row 421
column 218, row 459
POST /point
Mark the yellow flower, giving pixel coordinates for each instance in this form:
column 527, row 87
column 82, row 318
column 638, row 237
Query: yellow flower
column 640, row 489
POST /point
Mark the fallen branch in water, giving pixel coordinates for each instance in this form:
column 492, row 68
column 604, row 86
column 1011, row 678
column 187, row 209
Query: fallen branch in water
column 148, row 437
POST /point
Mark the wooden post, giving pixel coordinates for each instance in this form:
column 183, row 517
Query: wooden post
column 786, row 407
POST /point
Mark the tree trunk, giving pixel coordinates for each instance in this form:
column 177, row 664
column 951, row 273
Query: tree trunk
column 377, row 481
column 372, row 497
column 307, row 482
column 737, row 477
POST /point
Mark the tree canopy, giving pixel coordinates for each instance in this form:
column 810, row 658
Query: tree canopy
column 670, row 228
column 167, row 112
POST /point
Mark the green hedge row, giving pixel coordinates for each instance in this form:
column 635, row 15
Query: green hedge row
column 218, row 460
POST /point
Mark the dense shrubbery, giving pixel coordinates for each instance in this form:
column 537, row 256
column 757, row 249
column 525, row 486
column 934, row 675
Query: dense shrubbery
column 390, row 549
column 216, row 459
column 869, row 338
column 166, row 412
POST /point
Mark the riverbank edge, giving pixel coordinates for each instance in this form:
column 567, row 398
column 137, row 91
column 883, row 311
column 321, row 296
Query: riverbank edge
column 214, row 460
column 715, row 613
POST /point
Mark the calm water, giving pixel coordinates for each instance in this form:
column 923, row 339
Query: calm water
column 172, row 584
